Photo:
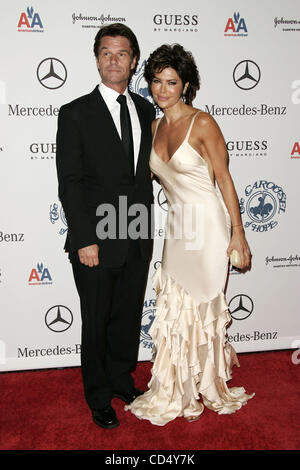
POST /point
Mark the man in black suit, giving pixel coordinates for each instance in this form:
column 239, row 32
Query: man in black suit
column 103, row 163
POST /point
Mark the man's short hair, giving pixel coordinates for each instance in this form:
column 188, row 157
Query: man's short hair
column 118, row 29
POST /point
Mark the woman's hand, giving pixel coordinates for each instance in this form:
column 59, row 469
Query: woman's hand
column 238, row 242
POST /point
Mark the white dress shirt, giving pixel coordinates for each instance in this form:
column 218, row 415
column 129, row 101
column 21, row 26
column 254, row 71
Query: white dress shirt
column 110, row 97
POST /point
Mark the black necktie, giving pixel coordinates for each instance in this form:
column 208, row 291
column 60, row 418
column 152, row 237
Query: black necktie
column 126, row 131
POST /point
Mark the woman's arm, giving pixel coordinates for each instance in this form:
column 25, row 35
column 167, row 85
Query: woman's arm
column 214, row 148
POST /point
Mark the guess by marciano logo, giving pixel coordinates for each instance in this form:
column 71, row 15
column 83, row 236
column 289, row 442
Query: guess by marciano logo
column 42, row 151
column 30, row 22
column 177, row 23
column 247, row 148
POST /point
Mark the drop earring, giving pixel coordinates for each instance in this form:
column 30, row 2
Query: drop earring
column 183, row 97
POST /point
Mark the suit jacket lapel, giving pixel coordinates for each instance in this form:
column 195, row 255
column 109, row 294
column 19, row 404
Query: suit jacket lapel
column 99, row 106
column 102, row 113
column 108, row 129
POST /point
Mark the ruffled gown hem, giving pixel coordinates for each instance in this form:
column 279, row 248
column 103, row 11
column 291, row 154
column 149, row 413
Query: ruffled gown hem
column 191, row 357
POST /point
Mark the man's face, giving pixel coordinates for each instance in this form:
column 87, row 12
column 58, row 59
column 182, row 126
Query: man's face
column 115, row 62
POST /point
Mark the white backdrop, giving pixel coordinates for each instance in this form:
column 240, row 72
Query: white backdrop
column 248, row 58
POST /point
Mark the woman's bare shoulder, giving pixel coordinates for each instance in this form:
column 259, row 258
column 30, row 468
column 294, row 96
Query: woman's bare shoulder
column 205, row 121
column 203, row 117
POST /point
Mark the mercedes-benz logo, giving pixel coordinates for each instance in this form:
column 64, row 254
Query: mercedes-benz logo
column 161, row 198
column 157, row 264
column 59, row 318
column 246, row 74
column 51, row 73
column 241, row 306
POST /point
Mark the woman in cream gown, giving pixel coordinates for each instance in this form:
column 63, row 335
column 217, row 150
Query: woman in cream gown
column 192, row 358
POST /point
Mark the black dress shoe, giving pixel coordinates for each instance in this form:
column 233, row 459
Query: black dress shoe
column 128, row 395
column 105, row 417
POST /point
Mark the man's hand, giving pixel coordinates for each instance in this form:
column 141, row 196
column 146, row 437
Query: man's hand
column 89, row 255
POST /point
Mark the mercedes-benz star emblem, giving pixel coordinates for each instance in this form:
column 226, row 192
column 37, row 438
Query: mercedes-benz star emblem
column 246, row 74
column 157, row 264
column 51, row 73
column 161, row 198
column 241, row 307
column 59, row 318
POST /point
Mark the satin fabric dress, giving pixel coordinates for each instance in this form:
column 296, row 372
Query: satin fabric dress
column 191, row 355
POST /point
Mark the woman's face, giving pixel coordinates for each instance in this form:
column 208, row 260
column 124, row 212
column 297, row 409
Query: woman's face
column 167, row 88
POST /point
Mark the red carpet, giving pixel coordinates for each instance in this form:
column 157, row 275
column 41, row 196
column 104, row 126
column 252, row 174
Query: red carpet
column 46, row 410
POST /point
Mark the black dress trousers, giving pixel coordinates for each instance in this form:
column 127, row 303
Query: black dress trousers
column 111, row 310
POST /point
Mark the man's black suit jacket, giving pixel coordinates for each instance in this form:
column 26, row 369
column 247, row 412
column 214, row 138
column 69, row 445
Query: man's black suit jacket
column 92, row 169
